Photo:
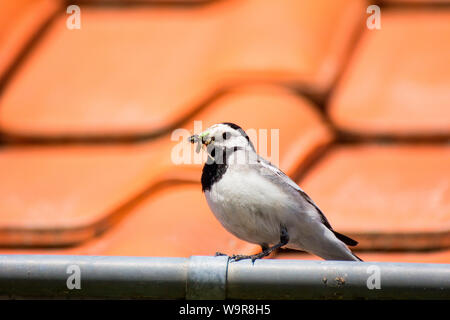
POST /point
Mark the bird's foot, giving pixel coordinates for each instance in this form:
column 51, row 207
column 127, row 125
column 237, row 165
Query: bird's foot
column 238, row 257
column 253, row 257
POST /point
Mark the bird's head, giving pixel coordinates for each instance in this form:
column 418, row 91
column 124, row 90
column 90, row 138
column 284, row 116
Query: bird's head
column 223, row 136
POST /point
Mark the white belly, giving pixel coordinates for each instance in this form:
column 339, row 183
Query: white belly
column 250, row 206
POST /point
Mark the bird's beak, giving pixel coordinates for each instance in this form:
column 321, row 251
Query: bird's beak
column 201, row 139
column 193, row 139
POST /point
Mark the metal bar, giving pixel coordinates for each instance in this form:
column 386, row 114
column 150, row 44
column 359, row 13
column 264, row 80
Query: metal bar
column 291, row 279
column 100, row 277
column 42, row 276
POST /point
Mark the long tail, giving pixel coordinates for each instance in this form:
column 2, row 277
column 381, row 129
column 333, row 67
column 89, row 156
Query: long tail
column 359, row 259
column 348, row 241
column 341, row 255
column 337, row 248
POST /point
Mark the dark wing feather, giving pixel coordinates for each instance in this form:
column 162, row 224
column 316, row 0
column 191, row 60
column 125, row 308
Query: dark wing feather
column 348, row 241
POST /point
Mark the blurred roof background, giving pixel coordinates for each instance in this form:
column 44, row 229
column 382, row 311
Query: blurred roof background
column 86, row 118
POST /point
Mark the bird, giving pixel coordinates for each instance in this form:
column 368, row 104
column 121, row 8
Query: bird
column 258, row 203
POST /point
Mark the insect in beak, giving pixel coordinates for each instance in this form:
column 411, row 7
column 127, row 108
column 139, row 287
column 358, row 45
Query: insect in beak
column 201, row 139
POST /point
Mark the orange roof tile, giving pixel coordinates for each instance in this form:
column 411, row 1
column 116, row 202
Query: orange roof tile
column 59, row 195
column 398, row 81
column 20, row 21
column 389, row 197
column 142, row 70
column 174, row 221
column 147, row 2
column 62, row 195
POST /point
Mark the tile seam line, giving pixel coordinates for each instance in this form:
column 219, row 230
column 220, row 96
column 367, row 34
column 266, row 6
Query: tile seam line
column 220, row 91
column 101, row 226
column 117, row 4
column 27, row 49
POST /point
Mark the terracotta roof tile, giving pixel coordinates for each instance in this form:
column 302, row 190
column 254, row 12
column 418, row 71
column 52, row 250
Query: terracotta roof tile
column 147, row 2
column 142, row 70
column 398, row 81
column 20, row 21
column 60, row 195
column 387, row 197
column 174, row 221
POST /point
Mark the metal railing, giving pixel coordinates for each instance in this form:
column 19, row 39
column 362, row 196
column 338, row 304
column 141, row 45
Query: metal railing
column 198, row 277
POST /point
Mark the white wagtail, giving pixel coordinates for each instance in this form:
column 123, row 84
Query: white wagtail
column 258, row 203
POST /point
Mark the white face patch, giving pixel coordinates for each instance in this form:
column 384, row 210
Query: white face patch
column 227, row 137
column 222, row 137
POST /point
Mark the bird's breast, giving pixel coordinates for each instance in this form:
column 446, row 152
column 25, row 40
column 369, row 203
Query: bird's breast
column 248, row 205
column 247, row 189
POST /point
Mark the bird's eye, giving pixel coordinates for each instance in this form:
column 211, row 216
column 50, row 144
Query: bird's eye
column 225, row 135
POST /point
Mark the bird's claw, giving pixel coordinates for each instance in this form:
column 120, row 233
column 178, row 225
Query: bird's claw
column 238, row 257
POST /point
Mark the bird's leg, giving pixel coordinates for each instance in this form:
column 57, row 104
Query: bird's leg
column 284, row 239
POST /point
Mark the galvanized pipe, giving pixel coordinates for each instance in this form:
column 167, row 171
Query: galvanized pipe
column 46, row 276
